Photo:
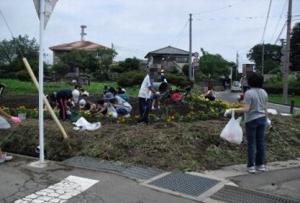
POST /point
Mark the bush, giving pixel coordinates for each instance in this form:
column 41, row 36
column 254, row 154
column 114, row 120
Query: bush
column 23, row 75
column 130, row 78
column 178, row 80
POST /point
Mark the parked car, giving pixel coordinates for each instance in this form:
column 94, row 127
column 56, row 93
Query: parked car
column 236, row 86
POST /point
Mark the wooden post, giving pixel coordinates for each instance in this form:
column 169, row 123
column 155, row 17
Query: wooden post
column 33, row 78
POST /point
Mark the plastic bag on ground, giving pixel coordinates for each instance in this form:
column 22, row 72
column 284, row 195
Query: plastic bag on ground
column 4, row 124
column 83, row 124
column 233, row 132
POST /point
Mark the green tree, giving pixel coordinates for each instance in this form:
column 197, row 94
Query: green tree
column 104, row 63
column 97, row 62
column 271, row 57
column 214, row 65
column 129, row 64
column 11, row 53
column 295, row 48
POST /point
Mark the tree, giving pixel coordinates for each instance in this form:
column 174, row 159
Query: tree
column 272, row 55
column 214, row 65
column 97, row 61
column 84, row 60
column 295, row 48
column 130, row 64
column 11, row 53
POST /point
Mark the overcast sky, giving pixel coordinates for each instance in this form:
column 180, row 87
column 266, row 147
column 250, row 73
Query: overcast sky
column 136, row 27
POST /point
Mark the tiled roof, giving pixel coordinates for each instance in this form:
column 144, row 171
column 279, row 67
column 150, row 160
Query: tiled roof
column 86, row 45
column 168, row 51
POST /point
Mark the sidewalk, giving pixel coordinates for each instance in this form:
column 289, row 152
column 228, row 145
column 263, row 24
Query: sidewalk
column 94, row 180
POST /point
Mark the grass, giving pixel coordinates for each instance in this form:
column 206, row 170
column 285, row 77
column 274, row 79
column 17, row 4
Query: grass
column 278, row 99
column 27, row 87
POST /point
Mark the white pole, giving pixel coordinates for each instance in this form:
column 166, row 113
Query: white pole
column 41, row 82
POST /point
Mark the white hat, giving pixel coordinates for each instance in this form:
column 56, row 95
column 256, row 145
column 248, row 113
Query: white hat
column 85, row 93
column 82, row 103
column 75, row 94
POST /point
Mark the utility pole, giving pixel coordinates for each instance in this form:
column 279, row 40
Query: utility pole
column 237, row 65
column 287, row 55
column 191, row 76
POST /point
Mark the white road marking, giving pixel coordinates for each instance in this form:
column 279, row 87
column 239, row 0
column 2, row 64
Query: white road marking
column 60, row 192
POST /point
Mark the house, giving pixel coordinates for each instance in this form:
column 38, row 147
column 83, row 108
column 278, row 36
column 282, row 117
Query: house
column 60, row 49
column 168, row 58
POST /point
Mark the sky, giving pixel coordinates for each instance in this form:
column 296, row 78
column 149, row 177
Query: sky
column 136, row 27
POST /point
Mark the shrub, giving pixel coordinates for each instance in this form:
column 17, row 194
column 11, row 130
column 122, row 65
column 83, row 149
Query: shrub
column 130, row 78
column 178, row 80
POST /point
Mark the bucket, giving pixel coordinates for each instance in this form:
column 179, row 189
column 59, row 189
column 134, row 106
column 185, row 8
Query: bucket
column 22, row 116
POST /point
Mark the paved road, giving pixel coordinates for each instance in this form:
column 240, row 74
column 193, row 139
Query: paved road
column 18, row 182
column 234, row 96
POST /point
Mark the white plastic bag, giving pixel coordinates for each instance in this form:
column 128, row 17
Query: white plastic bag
column 83, row 124
column 111, row 111
column 4, row 124
column 233, row 132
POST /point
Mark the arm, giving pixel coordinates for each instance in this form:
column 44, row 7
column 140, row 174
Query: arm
column 243, row 109
column 3, row 113
column 13, row 119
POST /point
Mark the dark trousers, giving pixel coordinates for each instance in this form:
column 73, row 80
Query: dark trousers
column 144, row 107
column 255, row 131
column 62, row 109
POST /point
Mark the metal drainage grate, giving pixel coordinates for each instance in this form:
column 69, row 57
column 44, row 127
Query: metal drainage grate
column 134, row 172
column 185, row 183
column 232, row 194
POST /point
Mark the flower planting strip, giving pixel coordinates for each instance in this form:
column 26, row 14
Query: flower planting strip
column 187, row 184
column 133, row 172
column 233, row 194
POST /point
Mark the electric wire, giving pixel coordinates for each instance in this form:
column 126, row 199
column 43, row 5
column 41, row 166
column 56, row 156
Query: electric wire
column 177, row 38
column 18, row 49
column 267, row 19
column 279, row 19
column 277, row 39
column 6, row 23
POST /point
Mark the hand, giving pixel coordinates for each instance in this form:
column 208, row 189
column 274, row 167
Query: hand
column 15, row 120
column 269, row 123
column 228, row 112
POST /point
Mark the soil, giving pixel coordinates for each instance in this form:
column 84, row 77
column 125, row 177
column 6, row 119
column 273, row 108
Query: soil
column 167, row 145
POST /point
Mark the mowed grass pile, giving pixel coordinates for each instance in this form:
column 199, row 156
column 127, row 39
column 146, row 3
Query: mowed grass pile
column 167, row 145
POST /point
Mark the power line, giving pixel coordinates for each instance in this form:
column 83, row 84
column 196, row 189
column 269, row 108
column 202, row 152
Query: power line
column 263, row 40
column 277, row 39
column 280, row 17
column 267, row 19
column 177, row 38
column 6, row 23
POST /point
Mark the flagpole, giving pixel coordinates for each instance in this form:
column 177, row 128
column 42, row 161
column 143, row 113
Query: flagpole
column 41, row 82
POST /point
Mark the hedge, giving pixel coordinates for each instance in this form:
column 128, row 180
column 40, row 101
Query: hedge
column 293, row 90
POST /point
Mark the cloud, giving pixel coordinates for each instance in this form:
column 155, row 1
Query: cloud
column 136, row 27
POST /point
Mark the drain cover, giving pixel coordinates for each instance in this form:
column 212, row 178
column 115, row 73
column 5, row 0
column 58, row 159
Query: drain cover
column 232, row 194
column 134, row 172
column 185, row 183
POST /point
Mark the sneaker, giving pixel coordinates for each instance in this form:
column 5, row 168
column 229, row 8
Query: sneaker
column 127, row 115
column 152, row 108
column 251, row 169
column 4, row 157
column 158, row 107
column 261, row 168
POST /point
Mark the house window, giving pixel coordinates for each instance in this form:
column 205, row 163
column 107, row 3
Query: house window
column 181, row 59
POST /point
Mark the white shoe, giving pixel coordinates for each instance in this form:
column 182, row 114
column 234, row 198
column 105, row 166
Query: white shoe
column 127, row 115
column 251, row 169
column 5, row 157
column 261, row 168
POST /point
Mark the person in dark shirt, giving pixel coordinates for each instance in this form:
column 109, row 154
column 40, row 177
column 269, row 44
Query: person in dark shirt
column 63, row 99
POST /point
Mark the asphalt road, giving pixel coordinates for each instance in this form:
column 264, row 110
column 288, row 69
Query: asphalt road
column 20, row 183
column 234, row 96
